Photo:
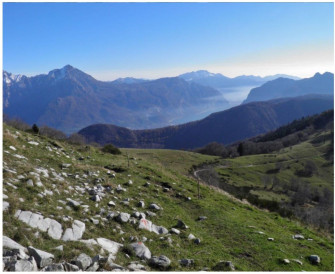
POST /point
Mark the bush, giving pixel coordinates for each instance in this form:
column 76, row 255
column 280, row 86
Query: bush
column 52, row 133
column 111, row 149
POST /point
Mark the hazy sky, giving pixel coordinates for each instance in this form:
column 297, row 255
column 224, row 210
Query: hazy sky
column 152, row 40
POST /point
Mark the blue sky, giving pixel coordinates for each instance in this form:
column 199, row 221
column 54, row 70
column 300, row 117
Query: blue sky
column 151, row 40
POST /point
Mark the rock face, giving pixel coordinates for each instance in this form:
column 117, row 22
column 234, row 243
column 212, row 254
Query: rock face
column 42, row 258
column 161, row 262
column 141, row 250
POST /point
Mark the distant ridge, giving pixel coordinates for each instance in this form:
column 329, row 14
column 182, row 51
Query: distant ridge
column 219, row 81
column 225, row 127
column 283, row 87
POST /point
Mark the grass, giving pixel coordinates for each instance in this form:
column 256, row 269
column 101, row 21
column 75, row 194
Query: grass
column 225, row 235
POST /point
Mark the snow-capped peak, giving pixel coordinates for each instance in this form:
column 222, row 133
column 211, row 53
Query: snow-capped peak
column 10, row 78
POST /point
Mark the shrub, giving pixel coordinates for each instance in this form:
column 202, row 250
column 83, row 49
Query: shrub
column 111, row 149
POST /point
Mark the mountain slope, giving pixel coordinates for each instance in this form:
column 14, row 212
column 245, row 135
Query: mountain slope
column 225, row 127
column 46, row 178
column 219, row 81
column 69, row 99
column 283, row 87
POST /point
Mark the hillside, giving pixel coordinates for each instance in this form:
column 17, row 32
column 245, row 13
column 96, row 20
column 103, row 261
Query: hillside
column 69, row 99
column 54, row 191
column 283, row 87
column 294, row 181
column 224, row 127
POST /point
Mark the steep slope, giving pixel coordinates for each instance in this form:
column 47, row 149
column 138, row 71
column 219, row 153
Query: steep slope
column 54, row 192
column 69, row 99
column 283, row 87
column 225, row 127
column 219, row 81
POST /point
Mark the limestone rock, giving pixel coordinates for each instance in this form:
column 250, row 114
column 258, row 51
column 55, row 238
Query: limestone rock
column 123, row 217
column 54, row 268
column 55, row 230
column 141, row 250
column 161, row 262
column 175, row 231
column 186, row 262
column 145, row 224
column 110, row 246
column 83, row 261
column 154, row 206
column 8, row 243
column 314, row 259
column 159, row 229
column 42, row 258
column 224, row 266
column 136, row 266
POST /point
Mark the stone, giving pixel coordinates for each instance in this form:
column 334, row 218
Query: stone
column 123, row 217
column 34, row 220
column 298, row 237
column 181, row 225
column 5, row 205
column 197, row 241
column 30, row 182
column 41, row 257
column 151, row 214
column 94, row 221
column 202, row 218
column 26, row 265
column 96, row 198
column 25, row 216
column 111, row 203
column 93, row 267
column 159, row 229
column 54, row 268
column 271, row 239
column 314, row 259
column 286, row 261
column 191, row 237
column 66, row 165
column 110, row 246
column 8, row 243
column 70, row 267
column 73, row 203
column 141, row 204
column 297, row 261
column 175, row 231
column 18, row 254
column 83, row 261
column 141, row 250
column 186, row 262
column 161, row 262
column 154, row 206
column 116, row 267
column 145, row 224
column 224, row 266
column 55, row 230
column 136, row 266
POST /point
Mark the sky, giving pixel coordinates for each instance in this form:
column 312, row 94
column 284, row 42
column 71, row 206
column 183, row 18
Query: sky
column 153, row 40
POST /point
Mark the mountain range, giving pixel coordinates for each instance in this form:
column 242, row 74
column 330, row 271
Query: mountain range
column 219, row 81
column 225, row 127
column 284, row 87
column 69, row 99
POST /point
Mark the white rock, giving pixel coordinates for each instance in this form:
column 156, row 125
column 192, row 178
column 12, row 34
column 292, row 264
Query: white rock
column 110, row 246
column 145, row 224
column 55, row 230
column 8, row 243
column 42, row 258
column 141, row 250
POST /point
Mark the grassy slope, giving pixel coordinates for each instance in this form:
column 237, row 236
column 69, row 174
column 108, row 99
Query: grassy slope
column 225, row 235
column 249, row 170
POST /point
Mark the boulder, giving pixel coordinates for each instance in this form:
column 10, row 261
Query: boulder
column 145, row 224
column 161, row 262
column 159, row 229
column 8, row 243
column 186, row 262
column 154, row 206
column 110, row 246
column 93, row 267
column 24, row 216
column 35, row 219
column 123, row 217
column 27, row 265
column 181, row 225
column 141, row 250
column 70, row 267
column 175, row 231
column 54, row 268
column 224, row 266
column 314, row 259
column 55, row 230
column 136, row 266
column 41, row 257
column 83, row 261
column 44, row 224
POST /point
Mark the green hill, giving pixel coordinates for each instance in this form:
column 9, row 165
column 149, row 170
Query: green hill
column 233, row 230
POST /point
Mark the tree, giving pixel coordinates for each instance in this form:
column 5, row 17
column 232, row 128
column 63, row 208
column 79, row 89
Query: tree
column 35, row 129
